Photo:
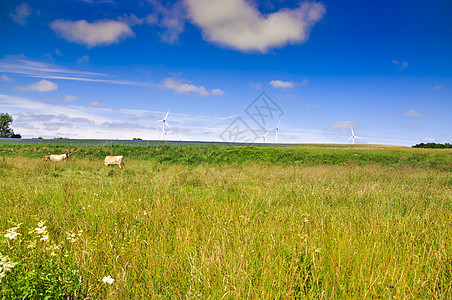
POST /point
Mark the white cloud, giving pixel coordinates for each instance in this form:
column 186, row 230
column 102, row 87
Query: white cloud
column 131, row 20
column 151, row 19
column 96, row 104
column 237, row 24
column 30, row 68
column 171, row 17
column 341, row 126
column 36, row 107
column 69, row 98
column 414, row 113
column 21, row 13
column 183, row 87
column 437, row 87
column 83, row 59
column 5, row 78
column 98, row 33
column 33, row 118
column 402, row 64
column 287, row 84
column 282, row 84
column 174, row 23
column 40, row 86
column 217, row 92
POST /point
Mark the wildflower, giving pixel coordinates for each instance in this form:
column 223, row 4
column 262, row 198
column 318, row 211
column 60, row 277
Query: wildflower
column 5, row 265
column 12, row 233
column 71, row 237
column 41, row 229
column 145, row 213
column 108, row 279
column 45, row 237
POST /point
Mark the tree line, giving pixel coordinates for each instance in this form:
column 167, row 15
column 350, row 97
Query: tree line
column 433, row 145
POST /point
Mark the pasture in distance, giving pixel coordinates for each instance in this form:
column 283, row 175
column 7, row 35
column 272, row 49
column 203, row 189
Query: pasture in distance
column 226, row 222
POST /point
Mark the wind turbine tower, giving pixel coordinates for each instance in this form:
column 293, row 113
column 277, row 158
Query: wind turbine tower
column 353, row 137
column 277, row 131
column 164, row 125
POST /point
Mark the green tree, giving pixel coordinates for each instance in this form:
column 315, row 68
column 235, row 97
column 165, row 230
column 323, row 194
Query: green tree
column 5, row 131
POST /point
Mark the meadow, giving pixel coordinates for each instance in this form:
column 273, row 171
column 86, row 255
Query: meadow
column 224, row 222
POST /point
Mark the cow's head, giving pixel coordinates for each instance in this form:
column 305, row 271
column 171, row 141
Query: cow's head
column 47, row 157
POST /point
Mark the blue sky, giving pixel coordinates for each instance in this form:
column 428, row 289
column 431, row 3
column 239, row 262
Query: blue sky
column 109, row 69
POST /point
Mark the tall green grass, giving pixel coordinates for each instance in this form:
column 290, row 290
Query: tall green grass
column 166, row 228
column 239, row 155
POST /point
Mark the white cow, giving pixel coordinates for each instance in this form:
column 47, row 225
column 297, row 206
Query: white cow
column 114, row 160
column 57, row 157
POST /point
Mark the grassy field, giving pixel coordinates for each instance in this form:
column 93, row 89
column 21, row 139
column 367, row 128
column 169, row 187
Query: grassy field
column 226, row 222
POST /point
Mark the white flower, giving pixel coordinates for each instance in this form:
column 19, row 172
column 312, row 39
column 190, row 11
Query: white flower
column 5, row 265
column 72, row 237
column 41, row 230
column 45, row 237
column 145, row 213
column 12, row 232
column 12, row 235
column 108, row 279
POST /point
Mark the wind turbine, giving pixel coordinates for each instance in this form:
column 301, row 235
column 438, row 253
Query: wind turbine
column 277, row 131
column 164, row 124
column 353, row 137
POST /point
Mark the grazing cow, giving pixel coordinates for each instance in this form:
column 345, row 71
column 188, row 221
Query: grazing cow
column 56, row 158
column 114, row 160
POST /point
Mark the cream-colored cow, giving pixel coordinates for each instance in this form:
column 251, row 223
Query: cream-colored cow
column 56, row 158
column 114, row 160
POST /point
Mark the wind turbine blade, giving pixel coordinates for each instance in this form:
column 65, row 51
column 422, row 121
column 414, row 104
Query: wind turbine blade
column 353, row 134
column 157, row 121
column 357, row 137
column 167, row 113
column 349, row 139
column 279, row 121
column 168, row 126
